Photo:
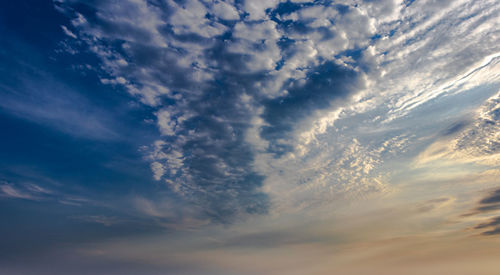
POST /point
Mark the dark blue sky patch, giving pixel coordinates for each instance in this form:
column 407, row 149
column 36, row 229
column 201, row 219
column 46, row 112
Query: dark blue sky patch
column 97, row 167
column 36, row 22
column 34, row 227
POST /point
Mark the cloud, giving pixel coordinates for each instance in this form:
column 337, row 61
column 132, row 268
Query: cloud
column 68, row 32
column 489, row 203
column 433, row 204
column 325, row 175
column 328, row 83
column 417, row 52
column 43, row 100
column 492, row 222
column 189, row 18
column 33, row 92
column 493, row 226
column 487, row 206
column 10, row 192
column 495, row 231
column 28, row 191
column 475, row 141
column 168, row 213
column 257, row 9
column 244, row 93
column 225, row 11
column 207, row 78
column 44, row 190
column 294, row 110
column 64, row 112
column 494, row 197
column 482, row 141
column 100, row 219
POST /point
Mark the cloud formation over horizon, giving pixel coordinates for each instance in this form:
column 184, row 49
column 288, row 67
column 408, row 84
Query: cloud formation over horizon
column 205, row 136
column 234, row 84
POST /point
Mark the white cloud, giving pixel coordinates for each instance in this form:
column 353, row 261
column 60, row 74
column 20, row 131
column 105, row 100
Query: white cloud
column 189, row 18
column 257, row 8
column 432, row 51
column 68, row 32
column 191, row 63
column 158, row 170
column 259, row 42
column 225, row 11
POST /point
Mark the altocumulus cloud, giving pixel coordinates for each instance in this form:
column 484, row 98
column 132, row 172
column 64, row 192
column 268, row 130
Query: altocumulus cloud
column 235, row 85
column 209, row 68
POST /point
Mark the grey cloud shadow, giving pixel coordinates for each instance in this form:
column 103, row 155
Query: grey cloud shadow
column 218, row 138
column 214, row 135
column 488, row 208
column 492, row 222
column 216, row 172
column 494, row 197
column 489, row 203
column 495, row 231
column 325, row 85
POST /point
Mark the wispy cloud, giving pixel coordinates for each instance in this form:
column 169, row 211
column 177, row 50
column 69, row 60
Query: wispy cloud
column 39, row 192
column 100, row 219
column 10, row 192
column 57, row 106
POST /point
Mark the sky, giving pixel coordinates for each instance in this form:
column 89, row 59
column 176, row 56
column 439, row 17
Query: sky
column 250, row 137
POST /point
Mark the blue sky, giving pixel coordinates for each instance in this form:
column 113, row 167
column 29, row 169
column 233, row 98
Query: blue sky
column 202, row 136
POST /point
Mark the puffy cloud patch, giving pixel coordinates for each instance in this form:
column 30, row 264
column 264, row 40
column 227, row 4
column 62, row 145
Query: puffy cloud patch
column 225, row 11
column 207, row 77
column 256, row 9
column 482, row 140
column 245, row 92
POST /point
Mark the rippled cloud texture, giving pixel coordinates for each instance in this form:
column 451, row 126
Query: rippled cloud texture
column 212, row 134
